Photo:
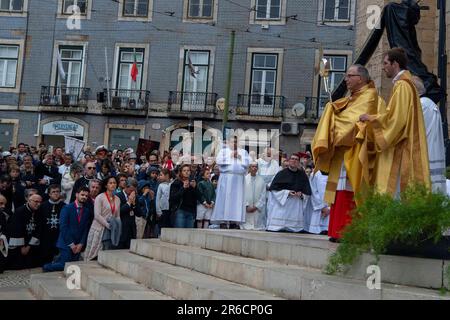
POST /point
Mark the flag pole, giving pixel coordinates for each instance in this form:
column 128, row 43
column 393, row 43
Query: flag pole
column 107, row 79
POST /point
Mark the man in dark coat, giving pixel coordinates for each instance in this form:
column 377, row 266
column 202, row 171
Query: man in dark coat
column 24, row 235
column 129, row 209
column 89, row 174
column 47, row 173
column 51, row 210
column 75, row 219
column 3, row 240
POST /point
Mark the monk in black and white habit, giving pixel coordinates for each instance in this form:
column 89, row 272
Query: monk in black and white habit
column 24, row 234
column 288, row 195
column 3, row 239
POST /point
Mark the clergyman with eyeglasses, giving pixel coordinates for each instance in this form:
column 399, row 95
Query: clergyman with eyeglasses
column 338, row 152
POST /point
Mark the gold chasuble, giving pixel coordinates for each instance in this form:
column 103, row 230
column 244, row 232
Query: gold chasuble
column 336, row 140
column 401, row 141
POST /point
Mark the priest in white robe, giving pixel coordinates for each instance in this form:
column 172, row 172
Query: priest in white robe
column 317, row 212
column 255, row 200
column 268, row 167
column 435, row 139
column 229, row 210
column 289, row 192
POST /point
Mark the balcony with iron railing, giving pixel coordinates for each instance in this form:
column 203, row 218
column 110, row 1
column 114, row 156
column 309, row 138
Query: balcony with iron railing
column 258, row 105
column 125, row 102
column 199, row 103
column 314, row 107
column 61, row 98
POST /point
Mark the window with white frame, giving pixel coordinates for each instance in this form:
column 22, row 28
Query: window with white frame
column 264, row 78
column 72, row 63
column 71, row 6
column 9, row 58
column 263, row 84
column 196, row 71
column 127, row 57
column 135, row 8
column 338, row 67
column 336, row 10
column 195, row 80
column 11, row 5
column 201, row 9
column 268, row 9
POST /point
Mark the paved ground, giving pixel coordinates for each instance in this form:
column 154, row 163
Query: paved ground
column 19, row 278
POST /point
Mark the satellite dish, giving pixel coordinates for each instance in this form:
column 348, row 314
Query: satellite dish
column 220, row 104
column 298, row 110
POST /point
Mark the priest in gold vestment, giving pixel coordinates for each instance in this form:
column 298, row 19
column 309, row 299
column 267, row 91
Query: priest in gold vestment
column 400, row 136
column 343, row 150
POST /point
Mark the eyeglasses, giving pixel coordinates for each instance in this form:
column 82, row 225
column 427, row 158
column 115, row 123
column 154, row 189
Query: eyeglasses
column 91, row 168
column 351, row 75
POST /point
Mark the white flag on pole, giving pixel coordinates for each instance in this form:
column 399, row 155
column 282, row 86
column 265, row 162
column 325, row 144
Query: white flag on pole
column 62, row 73
column 74, row 146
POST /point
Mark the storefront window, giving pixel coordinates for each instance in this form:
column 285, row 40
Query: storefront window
column 123, row 138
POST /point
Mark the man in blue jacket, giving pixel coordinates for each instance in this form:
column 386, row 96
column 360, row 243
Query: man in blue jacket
column 74, row 228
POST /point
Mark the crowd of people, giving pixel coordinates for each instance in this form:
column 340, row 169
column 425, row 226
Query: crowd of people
column 55, row 209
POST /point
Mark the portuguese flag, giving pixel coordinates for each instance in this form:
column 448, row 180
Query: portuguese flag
column 134, row 68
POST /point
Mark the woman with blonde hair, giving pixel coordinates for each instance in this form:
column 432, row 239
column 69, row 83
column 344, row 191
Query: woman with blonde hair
column 106, row 207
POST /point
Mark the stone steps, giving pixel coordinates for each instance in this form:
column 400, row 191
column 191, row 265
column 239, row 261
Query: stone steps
column 294, row 249
column 310, row 251
column 177, row 282
column 53, row 286
column 291, row 282
column 104, row 284
column 16, row 293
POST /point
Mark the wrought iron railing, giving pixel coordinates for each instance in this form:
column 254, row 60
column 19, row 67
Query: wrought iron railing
column 260, row 105
column 314, row 106
column 183, row 101
column 125, row 99
column 64, row 96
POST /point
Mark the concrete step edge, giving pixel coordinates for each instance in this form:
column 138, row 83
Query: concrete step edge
column 155, row 275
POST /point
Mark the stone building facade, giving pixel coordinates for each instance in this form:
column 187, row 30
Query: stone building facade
column 180, row 48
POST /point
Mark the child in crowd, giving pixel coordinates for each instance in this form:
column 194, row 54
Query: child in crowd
column 206, row 196
column 162, row 199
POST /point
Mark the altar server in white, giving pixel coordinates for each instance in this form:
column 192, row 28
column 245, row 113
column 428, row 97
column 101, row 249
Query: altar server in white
column 435, row 138
column 268, row 166
column 317, row 212
column 255, row 204
column 229, row 210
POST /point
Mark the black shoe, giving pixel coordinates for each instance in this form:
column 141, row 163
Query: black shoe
column 234, row 226
column 334, row 240
column 324, row 233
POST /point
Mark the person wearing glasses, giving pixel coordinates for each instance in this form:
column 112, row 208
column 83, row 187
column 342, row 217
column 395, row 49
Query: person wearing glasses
column 287, row 198
column 90, row 173
column 336, row 139
column 24, row 235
